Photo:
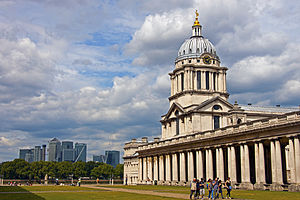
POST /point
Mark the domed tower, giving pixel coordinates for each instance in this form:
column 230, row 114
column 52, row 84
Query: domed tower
column 198, row 100
column 198, row 75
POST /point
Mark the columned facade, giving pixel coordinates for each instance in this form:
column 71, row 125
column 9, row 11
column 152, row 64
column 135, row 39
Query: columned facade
column 205, row 136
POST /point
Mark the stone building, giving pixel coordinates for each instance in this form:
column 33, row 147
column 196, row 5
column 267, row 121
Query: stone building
column 203, row 135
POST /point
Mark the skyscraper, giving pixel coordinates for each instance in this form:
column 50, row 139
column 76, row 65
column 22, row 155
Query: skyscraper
column 112, row 157
column 67, row 151
column 54, row 149
column 80, row 152
column 43, row 152
column 23, row 152
column 37, row 153
column 29, row 156
column 99, row 158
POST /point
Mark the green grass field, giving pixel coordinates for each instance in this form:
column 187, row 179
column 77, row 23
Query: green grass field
column 81, row 193
column 67, row 193
column 237, row 194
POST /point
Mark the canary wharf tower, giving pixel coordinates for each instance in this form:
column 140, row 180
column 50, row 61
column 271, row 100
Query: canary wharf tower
column 205, row 136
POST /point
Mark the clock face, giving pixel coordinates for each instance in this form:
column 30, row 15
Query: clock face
column 206, row 60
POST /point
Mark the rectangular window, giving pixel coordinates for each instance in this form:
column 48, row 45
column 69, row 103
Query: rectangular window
column 182, row 82
column 198, row 80
column 216, row 122
column 214, row 81
column 207, row 80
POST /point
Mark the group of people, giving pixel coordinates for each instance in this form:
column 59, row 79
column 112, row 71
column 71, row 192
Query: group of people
column 214, row 188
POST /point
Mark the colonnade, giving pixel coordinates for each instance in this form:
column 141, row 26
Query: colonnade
column 255, row 164
column 216, row 81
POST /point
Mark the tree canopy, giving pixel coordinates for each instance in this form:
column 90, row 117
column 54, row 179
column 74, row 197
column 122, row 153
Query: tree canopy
column 20, row 169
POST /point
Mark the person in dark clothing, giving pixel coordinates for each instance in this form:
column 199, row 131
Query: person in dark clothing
column 220, row 189
column 228, row 188
column 201, row 188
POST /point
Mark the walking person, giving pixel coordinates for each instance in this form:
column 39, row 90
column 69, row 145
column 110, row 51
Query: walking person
column 215, row 188
column 198, row 189
column 201, row 188
column 210, row 188
column 220, row 189
column 193, row 188
column 228, row 187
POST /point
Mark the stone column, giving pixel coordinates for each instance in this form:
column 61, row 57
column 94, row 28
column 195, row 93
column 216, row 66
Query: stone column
column 211, row 172
column 140, row 169
column 182, row 167
column 261, row 162
column 145, row 169
column 161, row 168
column 217, row 162
column 292, row 160
column 190, row 166
column 168, row 168
column 256, row 155
column 278, row 162
column 297, row 159
column 273, row 161
column 229, row 162
column 199, row 164
column 155, row 166
column 233, row 165
column 207, row 164
column 247, row 164
column 242, row 156
column 221, row 164
column 150, row 168
column 175, row 167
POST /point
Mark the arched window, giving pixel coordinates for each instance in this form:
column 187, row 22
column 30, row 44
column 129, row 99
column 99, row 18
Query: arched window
column 239, row 121
column 183, row 52
column 198, row 50
column 190, row 50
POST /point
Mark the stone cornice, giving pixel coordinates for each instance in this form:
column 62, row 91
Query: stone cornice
column 284, row 125
column 191, row 92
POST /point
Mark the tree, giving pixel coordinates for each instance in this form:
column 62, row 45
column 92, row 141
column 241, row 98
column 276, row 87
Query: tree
column 102, row 171
column 65, row 169
column 90, row 166
column 119, row 171
column 79, row 169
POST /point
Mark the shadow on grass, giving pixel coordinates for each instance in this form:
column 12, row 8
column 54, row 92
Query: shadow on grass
column 17, row 193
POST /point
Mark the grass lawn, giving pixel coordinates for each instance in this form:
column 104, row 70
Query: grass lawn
column 41, row 188
column 52, row 193
column 241, row 194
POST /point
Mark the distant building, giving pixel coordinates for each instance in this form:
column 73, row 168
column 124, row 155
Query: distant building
column 37, row 153
column 112, row 158
column 54, row 150
column 67, row 151
column 29, row 157
column 23, row 152
column 99, row 158
column 80, row 152
column 43, row 152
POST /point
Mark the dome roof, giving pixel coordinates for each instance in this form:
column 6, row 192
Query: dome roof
column 195, row 47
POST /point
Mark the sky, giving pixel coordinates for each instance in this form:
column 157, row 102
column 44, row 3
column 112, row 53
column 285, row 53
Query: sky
column 96, row 71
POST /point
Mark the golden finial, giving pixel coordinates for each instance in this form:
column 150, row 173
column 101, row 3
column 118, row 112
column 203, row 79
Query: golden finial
column 196, row 23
